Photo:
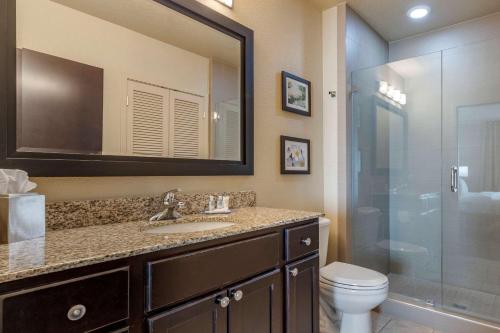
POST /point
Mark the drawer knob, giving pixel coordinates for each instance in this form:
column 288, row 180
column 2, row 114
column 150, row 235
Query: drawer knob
column 294, row 272
column 306, row 242
column 223, row 301
column 237, row 295
column 76, row 312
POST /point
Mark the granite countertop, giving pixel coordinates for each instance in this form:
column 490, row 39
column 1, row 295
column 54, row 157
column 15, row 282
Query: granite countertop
column 70, row 248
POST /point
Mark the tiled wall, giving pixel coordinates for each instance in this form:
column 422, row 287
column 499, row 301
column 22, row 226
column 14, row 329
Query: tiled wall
column 364, row 48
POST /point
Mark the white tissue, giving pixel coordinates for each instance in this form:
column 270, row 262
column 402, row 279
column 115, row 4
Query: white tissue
column 15, row 182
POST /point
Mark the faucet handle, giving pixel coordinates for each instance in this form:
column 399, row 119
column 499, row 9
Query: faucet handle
column 170, row 196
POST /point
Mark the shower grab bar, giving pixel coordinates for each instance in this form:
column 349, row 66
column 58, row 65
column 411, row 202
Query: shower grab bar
column 454, row 178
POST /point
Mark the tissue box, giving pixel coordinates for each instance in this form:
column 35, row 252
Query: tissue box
column 22, row 217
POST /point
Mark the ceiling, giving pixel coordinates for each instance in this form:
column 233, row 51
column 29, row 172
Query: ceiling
column 159, row 22
column 388, row 17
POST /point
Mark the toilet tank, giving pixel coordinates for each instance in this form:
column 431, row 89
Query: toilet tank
column 324, row 232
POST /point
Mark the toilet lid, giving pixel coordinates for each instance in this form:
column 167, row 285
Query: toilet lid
column 339, row 272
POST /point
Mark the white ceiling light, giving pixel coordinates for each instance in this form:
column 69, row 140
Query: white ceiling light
column 418, row 12
column 228, row 3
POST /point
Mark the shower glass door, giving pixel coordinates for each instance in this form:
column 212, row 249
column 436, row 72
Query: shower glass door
column 426, row 177
column 396, row 175
column 471, row 211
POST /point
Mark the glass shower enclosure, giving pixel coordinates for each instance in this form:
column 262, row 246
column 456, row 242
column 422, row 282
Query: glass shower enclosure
column 425, row 183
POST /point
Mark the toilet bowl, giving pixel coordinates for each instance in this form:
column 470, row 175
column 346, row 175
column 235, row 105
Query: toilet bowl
column 353, row 291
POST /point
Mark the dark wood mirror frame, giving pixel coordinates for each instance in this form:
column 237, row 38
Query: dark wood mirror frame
column 66, row 165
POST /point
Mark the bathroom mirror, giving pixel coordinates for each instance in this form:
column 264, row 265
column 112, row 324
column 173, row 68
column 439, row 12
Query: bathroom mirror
column 389, row 138
column 126, row 87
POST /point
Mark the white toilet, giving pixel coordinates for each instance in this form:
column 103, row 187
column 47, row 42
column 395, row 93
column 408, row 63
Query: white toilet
column 352, row 290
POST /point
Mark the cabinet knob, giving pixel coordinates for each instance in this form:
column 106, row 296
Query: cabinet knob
column 294, row 272
column 223, row 301
column 237, row 295
column 76, row 312
column 306, row 242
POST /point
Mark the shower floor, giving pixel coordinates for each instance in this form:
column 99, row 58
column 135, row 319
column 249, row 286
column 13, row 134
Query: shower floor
column 457, row 299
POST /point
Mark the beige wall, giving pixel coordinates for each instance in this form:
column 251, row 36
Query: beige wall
column 331, row 124
column 287, row 37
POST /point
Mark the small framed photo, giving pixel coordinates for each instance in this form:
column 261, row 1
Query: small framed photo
column 295, row 94
column 295, row 156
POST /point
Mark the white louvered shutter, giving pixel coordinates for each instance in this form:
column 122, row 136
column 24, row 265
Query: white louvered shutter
column 147, row 120
column 188, row 137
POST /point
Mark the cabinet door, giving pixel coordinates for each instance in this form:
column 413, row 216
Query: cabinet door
column 257, row 305
column 206, row 315
column 302, row 296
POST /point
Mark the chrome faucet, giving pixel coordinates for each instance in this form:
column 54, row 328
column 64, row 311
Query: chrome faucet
column 171, row 204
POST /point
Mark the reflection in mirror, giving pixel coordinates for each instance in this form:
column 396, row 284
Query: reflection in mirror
column 479, row 153
column 390, row 138
column 125, row 77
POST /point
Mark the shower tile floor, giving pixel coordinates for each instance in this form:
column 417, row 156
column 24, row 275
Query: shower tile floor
column 385, row 324
column 457, row 299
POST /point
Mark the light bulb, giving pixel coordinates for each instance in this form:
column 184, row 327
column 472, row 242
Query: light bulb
column 402, row 99
column 396, row 95
column 383, row 87
column 390, row 91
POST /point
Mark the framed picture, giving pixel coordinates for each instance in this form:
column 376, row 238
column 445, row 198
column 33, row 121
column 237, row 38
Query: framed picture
column 295, row 156
column 295, row 94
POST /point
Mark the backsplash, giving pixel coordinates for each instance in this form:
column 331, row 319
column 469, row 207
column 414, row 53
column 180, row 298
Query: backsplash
column 75, row 214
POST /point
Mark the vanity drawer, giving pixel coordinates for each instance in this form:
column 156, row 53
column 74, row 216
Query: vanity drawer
column 179, row 278
column 77, row 305
column 301, row 241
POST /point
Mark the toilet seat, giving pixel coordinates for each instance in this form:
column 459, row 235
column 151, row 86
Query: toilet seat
column 347, row 276
column 331, row 286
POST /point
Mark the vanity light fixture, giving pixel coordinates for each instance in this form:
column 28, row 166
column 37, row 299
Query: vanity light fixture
column 391, row 92
column 418, row 12
column 228, row 3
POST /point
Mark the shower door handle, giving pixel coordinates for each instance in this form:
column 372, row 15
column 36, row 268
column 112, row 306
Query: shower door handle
column 454, row 179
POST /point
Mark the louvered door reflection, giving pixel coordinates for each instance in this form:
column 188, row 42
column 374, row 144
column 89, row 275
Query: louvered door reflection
column 147, row 120
column 188, row 126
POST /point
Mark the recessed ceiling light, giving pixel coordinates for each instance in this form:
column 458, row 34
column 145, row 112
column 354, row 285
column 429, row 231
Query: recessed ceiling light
column 418, row 12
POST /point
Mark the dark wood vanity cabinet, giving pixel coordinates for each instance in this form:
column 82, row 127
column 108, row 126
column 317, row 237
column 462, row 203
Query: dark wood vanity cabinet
column 260, row 308
column 200, row 272
column 204, row 315
column 302, row 290
column 261, row 281
column 77, row 305
column 250, row 307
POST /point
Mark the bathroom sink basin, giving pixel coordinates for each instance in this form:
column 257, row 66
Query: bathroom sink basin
column 181, row 228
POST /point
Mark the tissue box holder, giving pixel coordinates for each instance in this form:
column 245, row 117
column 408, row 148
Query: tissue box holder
column 22, row 217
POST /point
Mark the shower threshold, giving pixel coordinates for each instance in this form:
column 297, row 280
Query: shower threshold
column 440, row 319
